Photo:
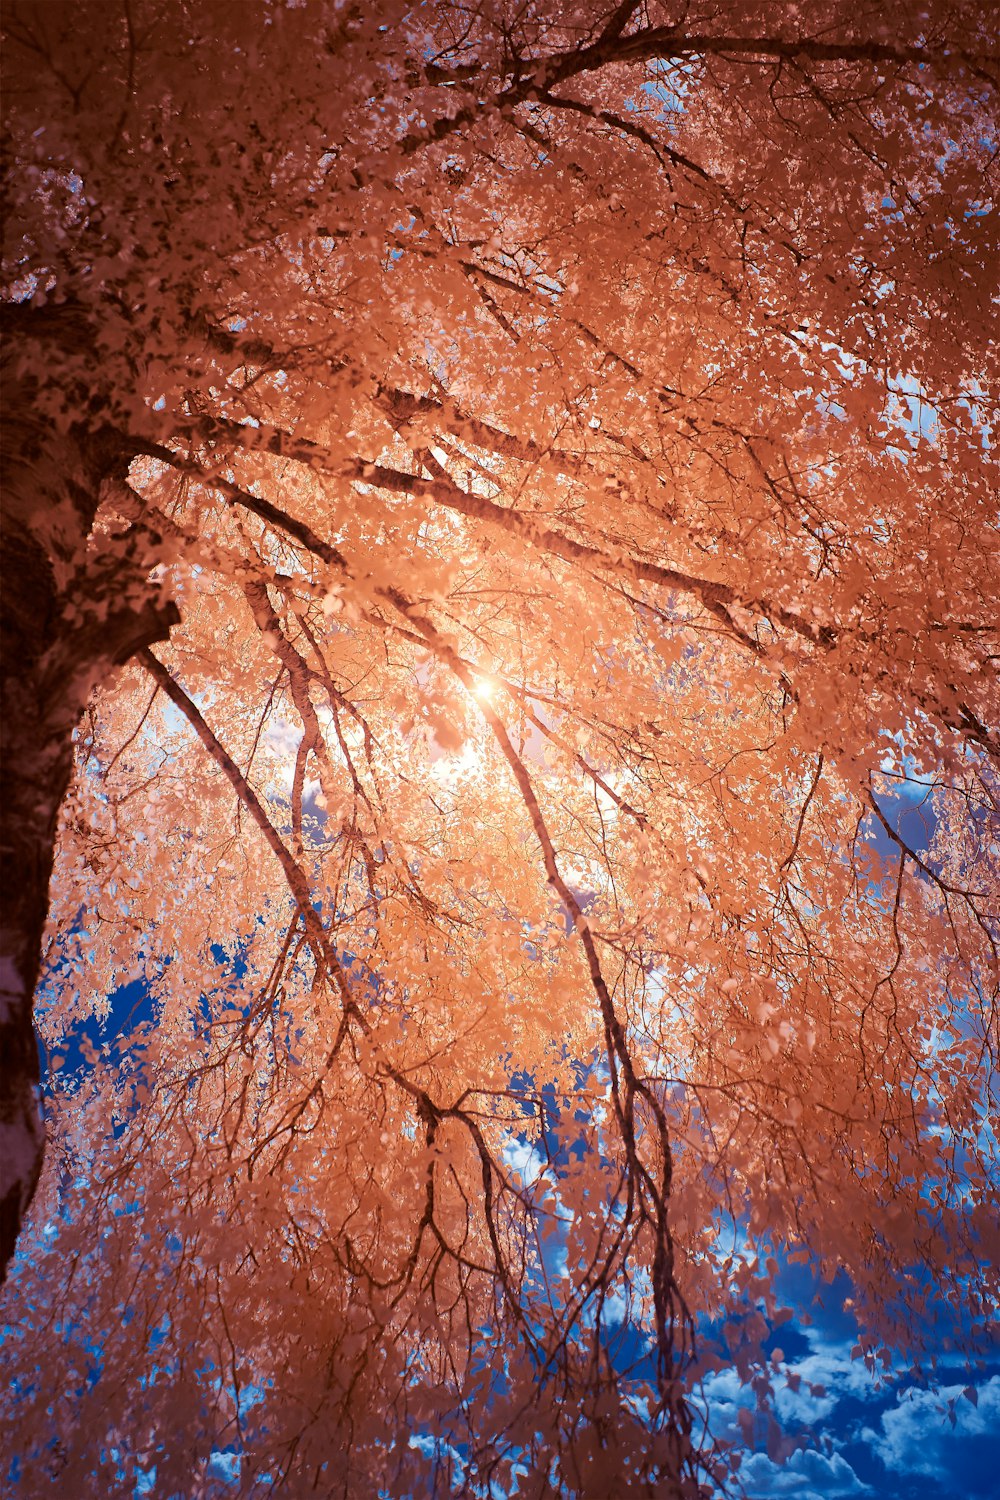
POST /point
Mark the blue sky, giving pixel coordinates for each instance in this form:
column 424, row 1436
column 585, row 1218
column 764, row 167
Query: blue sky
column 901, row 1439
column 935, row 1437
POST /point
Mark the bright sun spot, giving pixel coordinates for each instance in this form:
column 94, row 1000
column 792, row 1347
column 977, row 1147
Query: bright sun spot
column 450, row 769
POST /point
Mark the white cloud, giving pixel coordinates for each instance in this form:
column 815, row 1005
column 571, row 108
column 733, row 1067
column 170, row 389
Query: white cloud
column 910, row 1431
column 806, row 1390
column 828, row 1365
column 525, row 1159
column 722, row 1395
column 917, row 1434
column 807, row 1475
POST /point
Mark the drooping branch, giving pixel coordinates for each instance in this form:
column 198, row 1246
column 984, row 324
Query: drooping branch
column 714, row 595
column 627, row 1087
column 296, row 880
column 665, row 43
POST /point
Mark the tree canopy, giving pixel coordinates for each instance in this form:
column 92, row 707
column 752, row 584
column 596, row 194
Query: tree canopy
column 500, row 525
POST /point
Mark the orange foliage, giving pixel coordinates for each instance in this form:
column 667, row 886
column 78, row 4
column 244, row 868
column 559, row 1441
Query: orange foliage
column 563, row 434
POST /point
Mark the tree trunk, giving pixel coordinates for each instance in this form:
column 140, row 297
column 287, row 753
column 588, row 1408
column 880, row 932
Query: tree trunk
column 67, row 619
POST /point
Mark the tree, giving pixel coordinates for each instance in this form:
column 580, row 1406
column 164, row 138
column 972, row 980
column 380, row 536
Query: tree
column 501, row 508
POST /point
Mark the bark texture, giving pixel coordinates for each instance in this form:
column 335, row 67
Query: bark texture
column 69, row 616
